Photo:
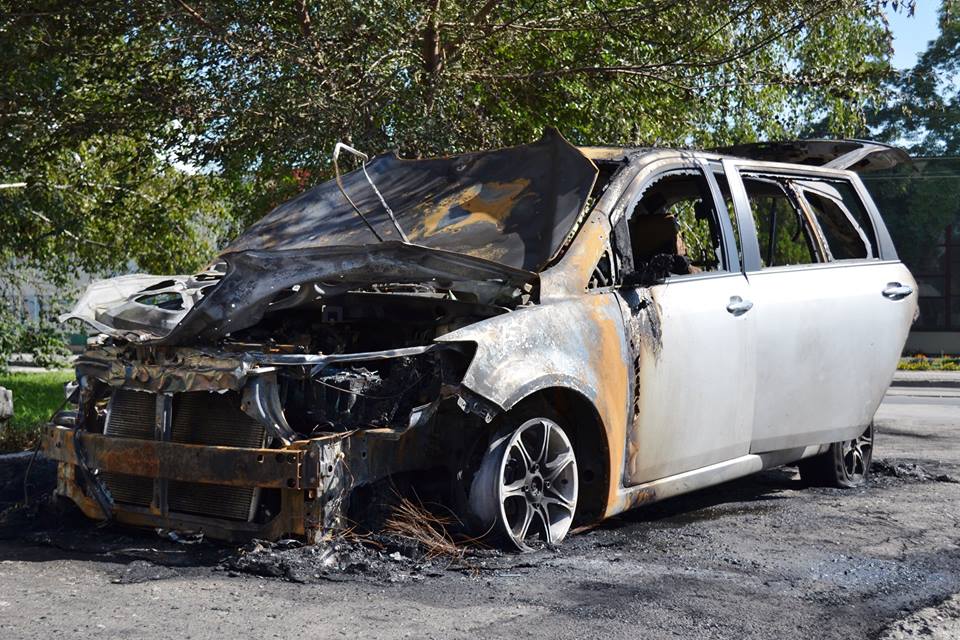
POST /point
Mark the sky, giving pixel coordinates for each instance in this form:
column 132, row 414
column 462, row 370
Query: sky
column 911, row 34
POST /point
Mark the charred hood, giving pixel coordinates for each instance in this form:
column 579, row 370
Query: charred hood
column 514, row 206
column 208, row 306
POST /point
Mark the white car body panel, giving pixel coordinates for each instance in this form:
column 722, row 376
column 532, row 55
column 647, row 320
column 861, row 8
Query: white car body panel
column 704, row 365
column 828, row 342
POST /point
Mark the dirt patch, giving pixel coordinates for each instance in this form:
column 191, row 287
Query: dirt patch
column 939, row 622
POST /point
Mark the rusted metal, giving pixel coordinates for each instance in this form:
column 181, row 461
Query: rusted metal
column 230, row 466
column 173, row 371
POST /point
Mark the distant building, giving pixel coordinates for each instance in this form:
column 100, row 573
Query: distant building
column 921, row 206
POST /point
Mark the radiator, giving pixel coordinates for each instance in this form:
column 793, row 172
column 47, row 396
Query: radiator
column 214, row 419
column 131, row 414
column 200, row 417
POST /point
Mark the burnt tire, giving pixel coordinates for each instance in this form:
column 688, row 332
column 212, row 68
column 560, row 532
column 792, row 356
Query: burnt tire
column 845, row 465
column 524, row 494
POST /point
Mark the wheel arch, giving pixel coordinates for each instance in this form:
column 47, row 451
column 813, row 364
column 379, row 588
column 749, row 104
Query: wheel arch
column 581, row 420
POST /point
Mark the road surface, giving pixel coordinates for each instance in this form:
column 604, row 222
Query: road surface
column 763, row 557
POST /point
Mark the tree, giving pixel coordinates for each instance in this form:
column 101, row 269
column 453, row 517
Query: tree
column 102, row 100
column 257, row 90
column 923, row 115
column 272, row 87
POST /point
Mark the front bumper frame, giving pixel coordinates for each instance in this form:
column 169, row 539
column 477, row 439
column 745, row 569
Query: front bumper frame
column 313, row 477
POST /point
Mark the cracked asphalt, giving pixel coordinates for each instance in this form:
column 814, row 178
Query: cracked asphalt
column 760, row 557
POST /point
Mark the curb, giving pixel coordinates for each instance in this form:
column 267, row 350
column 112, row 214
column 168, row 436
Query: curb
column 16, row 456
column 950, row 382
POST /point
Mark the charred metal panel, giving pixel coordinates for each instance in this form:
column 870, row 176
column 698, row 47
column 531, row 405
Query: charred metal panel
column 171, row 371
column 229, row 466
column 256, row 282
column 514, row 206
column 255, row 279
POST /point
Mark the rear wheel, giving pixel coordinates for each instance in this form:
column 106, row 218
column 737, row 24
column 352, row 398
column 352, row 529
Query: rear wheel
column 525, row 491
column 846, row 464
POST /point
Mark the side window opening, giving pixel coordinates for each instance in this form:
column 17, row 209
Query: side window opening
column 721, row 179
column 847, row 231
column 783, row 232
column 674, row 228
column 855, row 207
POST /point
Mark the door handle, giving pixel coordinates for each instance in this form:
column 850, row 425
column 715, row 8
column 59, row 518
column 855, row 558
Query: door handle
column 738, row 306
column 897, row 291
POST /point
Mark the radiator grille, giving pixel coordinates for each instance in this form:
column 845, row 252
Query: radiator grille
column 203, row 418
column 213, row 419
column 132, row 414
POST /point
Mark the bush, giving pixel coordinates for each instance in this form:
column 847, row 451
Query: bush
column 43, row 339
column 920, row 362
column 9, row 335
column 46, row 342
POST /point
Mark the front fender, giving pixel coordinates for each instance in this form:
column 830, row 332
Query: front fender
column 578, row 343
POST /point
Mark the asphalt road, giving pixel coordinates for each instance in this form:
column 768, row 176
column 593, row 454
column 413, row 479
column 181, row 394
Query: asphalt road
column 763, row 557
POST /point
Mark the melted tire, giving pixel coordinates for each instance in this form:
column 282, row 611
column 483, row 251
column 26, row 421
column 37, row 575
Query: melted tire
column 846, row 465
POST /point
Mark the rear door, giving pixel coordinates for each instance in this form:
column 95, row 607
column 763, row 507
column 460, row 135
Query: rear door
column 833, row 305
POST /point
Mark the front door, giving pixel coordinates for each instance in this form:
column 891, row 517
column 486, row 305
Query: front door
column 688, row 313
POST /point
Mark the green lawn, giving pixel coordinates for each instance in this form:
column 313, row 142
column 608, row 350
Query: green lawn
column 35, row 397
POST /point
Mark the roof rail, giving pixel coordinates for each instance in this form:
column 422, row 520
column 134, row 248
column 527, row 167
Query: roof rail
column 855, row 155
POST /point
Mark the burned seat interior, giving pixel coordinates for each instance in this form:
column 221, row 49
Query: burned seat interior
column 674, row 229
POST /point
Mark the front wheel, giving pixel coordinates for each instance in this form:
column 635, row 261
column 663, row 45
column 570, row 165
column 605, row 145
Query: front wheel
column 845, row 464
column 525, row 490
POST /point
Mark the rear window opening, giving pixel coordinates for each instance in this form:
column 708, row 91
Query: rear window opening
column 808, row 221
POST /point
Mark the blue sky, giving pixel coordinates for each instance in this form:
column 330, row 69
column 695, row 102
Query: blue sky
column 911, row 34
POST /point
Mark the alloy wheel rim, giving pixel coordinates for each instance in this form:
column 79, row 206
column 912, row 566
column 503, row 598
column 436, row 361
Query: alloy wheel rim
column 537, row 484
column 857, row 454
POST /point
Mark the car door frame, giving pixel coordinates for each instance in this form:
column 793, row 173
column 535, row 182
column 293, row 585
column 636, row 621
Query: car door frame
column 732, row 168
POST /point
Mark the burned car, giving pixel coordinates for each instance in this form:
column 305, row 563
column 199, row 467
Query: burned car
column 541, row 335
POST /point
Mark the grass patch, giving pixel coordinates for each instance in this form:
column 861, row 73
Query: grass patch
column 921, row 362
column 35, row 397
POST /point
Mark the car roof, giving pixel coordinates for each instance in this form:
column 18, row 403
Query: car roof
column 850, row 154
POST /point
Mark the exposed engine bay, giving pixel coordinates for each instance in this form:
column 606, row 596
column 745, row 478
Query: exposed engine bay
column 351, row 361
column 307, row 376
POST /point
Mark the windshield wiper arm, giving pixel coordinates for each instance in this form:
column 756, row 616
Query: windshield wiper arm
column 364, row 158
